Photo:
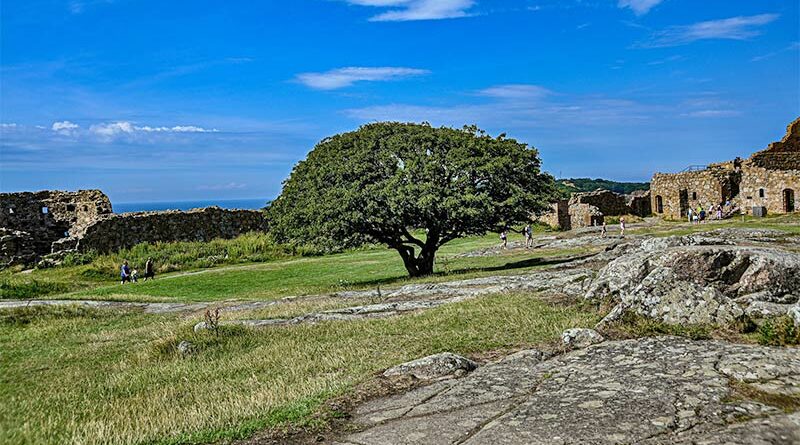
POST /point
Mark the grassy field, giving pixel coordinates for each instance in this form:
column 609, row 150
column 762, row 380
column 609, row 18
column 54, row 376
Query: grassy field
column 72, row 375
column 91, row 377
column 292, row 275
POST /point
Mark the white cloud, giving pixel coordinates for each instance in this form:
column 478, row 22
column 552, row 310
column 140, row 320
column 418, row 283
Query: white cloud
column 64, row 127
column 516, row 91
column 408, row 10
column 176, row 129
column 228, row 186
column 639, row 7
column 8, row 126
column 712, row 113
column 734, row 28
column 112, row 129
column 344, row 77
column 791, row 47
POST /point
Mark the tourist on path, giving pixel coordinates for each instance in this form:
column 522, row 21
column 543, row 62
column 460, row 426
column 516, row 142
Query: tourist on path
column 149, row 273
column 603, row 230
column 528, row 237
column 125, row 273
column 504, row 239
column 691, row 215
column 621, row 227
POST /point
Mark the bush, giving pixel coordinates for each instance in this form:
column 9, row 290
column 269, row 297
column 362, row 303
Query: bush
column 779, row 332
column 21, row 289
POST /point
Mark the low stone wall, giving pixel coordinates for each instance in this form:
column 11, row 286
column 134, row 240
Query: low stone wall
column 584, row 215
column 639, row 203
column 119, row 231
column 558, row 216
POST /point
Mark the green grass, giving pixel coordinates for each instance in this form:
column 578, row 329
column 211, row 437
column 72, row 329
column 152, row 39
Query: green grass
column 356, row 269
column 90, row 377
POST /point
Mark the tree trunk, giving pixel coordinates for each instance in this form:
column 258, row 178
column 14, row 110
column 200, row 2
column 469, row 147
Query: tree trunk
column 418, row 266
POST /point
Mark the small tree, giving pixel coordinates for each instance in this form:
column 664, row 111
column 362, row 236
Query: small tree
column 386, row 181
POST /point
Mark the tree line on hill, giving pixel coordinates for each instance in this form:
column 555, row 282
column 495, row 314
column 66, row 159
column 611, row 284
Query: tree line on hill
column 567, row 187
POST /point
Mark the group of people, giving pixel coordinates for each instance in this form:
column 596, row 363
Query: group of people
column 528, row 232
column 132, row 276
column 699, row 214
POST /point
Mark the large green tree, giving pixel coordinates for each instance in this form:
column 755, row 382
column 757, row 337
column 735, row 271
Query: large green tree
column 390, row 182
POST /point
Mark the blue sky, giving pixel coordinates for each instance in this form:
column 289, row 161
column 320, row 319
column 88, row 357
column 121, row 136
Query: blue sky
column 173, row 100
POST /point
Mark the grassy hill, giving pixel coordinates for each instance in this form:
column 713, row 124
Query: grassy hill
column 572, row 185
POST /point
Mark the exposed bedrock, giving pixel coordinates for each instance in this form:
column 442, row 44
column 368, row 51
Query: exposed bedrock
column 659, row 390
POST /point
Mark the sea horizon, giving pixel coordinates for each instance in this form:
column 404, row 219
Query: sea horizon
column 149, row 206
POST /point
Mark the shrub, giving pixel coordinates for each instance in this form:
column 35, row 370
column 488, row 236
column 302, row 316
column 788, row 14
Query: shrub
column 779, row 332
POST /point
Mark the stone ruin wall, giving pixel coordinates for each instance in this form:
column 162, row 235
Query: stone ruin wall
column 773, row 172
column 30, row 222
column 35, row 224
column 774, row 183
column 120, row 231
column 701, row 189
column 588, row 209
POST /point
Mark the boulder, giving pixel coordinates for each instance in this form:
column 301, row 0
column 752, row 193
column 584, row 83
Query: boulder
column 697, row 279
column 794, row 314
column 580, row 338
column 185, row 347
column 433, row 367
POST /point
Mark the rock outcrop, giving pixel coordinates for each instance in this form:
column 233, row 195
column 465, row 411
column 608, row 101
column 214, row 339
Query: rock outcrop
column 432, row 367
column 663, row 390
column 696, row 279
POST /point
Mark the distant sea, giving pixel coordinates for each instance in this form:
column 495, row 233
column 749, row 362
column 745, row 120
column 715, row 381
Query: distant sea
column 125, row 207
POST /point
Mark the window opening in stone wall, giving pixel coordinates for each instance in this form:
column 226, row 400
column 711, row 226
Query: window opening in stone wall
column 760, row 193
column 85, row 208
column 788, row 201
column 70, row 207
column 694, row 196
column 45, row 210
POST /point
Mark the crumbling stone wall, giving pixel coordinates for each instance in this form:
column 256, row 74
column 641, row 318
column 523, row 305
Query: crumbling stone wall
column 558, row 216
column 118, row 231
column 584, row 215
column 639, row 203
column 36, row 220
column 605, row 201
column 781, row 155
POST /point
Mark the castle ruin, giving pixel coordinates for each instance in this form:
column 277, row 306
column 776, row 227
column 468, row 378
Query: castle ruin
column 35, row 224
column 588, row 209
column 767, row 182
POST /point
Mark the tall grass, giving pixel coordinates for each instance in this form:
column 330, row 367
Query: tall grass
column 77, row 377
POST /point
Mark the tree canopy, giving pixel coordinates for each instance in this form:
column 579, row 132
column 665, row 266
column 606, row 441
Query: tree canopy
column 412, row 187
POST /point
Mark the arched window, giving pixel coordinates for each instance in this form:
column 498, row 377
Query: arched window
column 761, row 193
column 694, row 196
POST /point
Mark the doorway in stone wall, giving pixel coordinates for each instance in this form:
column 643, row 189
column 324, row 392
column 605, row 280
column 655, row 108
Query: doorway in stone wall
column 788, row 201
column 659, row 204
column 684, row 200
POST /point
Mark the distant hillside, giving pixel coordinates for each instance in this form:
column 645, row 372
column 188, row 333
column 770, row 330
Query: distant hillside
column 572, row 185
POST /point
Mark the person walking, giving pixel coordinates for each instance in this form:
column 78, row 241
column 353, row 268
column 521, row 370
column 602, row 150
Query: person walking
column 149, row 273
column 504, row 239
column 125, row 272
column 603, row 230
column 691, row 215
column 528, row 236
column 621, row 227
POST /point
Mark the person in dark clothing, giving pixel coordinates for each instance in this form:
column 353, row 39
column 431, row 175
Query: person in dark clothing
column 125, row 273
column 149, row 273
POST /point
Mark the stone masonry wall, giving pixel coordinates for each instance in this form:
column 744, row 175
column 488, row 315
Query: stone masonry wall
column 781, row 155
column 699, row 188
column 118, row 231
column 47, row 216
column 558, row 217
column 607, row 202
column 774, row 183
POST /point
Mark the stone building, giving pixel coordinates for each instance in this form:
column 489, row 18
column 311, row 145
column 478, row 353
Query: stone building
column 34, row 224
column 769, row 179
column 588, row 209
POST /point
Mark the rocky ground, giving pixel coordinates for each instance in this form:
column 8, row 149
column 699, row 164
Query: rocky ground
column 662, row 390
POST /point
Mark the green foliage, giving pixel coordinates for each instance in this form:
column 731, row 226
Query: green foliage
column 20, row 288
column 568, row 186
column 779, row 332
column 386, row 179
column 170, row 257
